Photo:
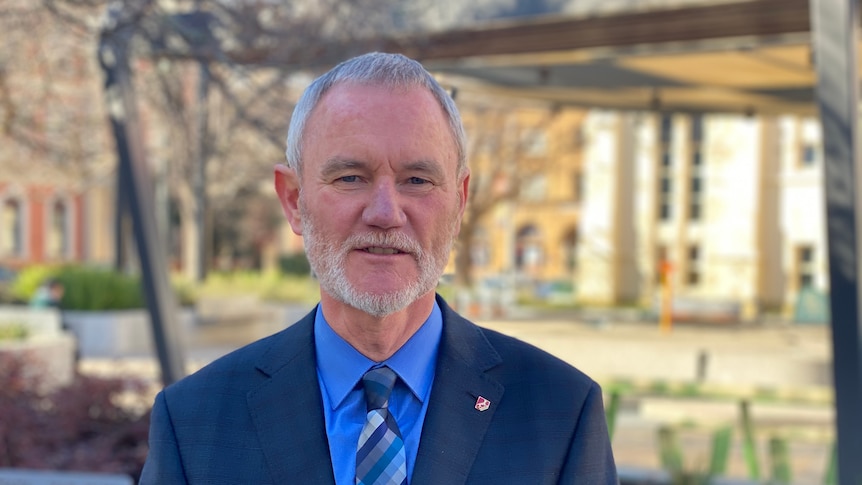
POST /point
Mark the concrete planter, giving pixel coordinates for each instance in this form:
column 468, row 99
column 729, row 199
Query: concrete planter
column 51, row 359
column 116, row 333
column 49, row 351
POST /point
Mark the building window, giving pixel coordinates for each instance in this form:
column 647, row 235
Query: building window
column 697, row 128
column 695, row 205
column 809, row 155
column 578, row 185
column 529, row 255
column 804, row 266
column 693, row 276
column 534, row 142
column 580, row 137
column 809, row 144
column 12, row 235
column 535, row 188
column 665, row 157
column 666, row 128
column 570, row 249
column 480, row 249
column 665, row 170
column 58, row 230
column 480, row 254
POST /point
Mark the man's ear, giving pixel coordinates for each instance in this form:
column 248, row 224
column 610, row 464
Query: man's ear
column 287, row 189
column 463, row 190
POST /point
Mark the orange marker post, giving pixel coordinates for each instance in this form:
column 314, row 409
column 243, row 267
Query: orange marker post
column 665, row 318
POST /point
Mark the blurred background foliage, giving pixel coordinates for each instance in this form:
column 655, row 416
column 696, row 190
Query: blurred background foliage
column 92, row 288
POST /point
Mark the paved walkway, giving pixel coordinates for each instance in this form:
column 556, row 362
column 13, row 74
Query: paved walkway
column 789, row 364
column 784, row 369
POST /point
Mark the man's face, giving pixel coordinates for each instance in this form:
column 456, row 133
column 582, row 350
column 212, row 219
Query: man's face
column 381, row 201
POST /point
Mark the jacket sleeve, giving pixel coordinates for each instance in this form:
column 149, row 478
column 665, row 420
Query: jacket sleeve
column 163, row 464
column 590, row 458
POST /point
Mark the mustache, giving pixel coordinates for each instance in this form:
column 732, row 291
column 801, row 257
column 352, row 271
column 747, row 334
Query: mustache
column 396, row 240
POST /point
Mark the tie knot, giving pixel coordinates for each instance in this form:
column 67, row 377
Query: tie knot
column 378, row 383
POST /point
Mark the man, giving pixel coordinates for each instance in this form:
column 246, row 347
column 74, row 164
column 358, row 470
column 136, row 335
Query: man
column 382, row 383
column 49, row 294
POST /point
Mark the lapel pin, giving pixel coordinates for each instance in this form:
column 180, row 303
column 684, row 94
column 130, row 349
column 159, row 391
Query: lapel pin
column 482, row 404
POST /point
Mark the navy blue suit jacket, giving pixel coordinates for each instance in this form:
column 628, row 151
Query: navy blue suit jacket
column 256, row 416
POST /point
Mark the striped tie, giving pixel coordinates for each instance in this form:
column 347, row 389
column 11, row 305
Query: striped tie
column 380, row 459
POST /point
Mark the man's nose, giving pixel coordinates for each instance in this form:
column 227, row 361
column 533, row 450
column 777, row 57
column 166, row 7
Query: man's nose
column 384, row 208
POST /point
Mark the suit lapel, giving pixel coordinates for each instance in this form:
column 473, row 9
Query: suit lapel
column 454, row 429
column 287, row 409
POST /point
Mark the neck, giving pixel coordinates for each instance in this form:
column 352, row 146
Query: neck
column 377, row 338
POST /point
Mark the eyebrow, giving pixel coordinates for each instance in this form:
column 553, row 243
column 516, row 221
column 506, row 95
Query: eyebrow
column 434, row 169
column 336, row 165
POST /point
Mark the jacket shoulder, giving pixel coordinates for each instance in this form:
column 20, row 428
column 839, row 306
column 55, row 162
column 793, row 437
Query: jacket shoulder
column 245, row 368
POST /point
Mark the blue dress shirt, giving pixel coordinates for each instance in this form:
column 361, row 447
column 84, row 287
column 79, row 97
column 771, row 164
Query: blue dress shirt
column 339, row 371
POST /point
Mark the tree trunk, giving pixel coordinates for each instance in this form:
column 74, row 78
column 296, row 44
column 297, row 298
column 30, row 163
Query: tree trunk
column 190, row 232
column 463, row 259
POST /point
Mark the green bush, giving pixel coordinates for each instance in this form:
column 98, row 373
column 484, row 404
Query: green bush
column 12, row 331
column 268, row 286
column 291, row 288
column 186, row 292
column 294, row 264
column 94, row 288
column 28, row 281
column 99, row 289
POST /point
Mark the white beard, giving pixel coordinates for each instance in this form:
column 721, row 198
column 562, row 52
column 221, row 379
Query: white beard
column 329, row 261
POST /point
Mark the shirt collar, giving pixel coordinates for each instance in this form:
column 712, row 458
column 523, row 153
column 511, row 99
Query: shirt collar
column 341, row 366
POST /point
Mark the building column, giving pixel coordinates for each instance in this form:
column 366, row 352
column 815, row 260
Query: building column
column 607, row 269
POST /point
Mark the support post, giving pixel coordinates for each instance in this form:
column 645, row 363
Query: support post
column 200, row 173
column 200, row 177
column 137, row 190
column 834, row 31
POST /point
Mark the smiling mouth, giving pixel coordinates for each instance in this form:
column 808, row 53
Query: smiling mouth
column 378, row 250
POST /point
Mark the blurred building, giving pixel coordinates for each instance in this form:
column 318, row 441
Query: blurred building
column 51, row 217
column 730, row 207
column 728, row 210
column 56, row 188
column 531, row 234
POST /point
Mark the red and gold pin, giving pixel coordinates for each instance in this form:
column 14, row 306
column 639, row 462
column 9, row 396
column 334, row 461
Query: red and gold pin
column 482, row 404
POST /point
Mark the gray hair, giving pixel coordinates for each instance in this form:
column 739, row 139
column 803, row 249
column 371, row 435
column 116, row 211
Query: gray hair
column 392, row 71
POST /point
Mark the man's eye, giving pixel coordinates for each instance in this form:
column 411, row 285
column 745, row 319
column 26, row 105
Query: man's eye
column 348, row 178
column 417, row 181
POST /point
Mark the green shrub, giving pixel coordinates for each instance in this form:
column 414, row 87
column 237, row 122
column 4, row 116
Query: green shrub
column 659, row 387
column 268, row 286
column 185, row 291
column 99, row 289
column 690, row 389
column 294, row 264
column 12, row 331
column 291, row 288
column 6, row 297
column 94, row 288
column 447, row 291
column 28, row 281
